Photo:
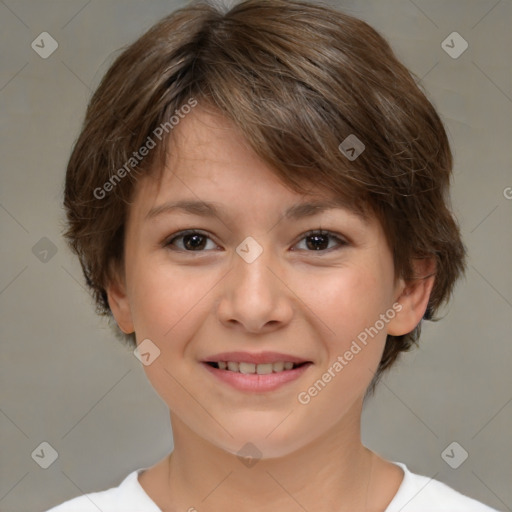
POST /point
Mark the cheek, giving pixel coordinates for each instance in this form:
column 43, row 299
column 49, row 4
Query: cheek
column 162, row 297
column 348, row 300
column 349, row 303
column 168, row 307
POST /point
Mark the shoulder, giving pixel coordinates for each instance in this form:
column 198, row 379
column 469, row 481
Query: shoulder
column 420, row 493
column 129, row 496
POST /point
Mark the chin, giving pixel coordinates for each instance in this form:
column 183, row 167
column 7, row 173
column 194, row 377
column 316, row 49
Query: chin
column 261, row 442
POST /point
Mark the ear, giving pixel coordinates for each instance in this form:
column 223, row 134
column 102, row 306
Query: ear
column 119, row 302
column 413, row 295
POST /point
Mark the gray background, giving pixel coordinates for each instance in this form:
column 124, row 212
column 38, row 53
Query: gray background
column 66, row 380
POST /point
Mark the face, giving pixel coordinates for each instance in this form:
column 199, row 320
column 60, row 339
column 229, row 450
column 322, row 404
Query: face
column 256, row 278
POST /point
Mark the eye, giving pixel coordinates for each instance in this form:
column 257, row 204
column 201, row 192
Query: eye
column 193, row 241
column 196, row 241
column 319, row 240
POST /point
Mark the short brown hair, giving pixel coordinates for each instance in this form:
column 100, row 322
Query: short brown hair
column 297, row 79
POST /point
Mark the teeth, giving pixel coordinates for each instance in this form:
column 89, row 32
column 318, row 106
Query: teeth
column 246, row 367
column 264, row 369
column 278, row 367
column 232, row 366
column 251, row 368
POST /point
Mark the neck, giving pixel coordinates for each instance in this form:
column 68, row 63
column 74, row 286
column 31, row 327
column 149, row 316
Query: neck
column 334, row 472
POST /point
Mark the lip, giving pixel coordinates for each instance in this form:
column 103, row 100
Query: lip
column 256, row 358
column 255, row 382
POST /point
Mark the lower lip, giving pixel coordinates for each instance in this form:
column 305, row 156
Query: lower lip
column 255, row 382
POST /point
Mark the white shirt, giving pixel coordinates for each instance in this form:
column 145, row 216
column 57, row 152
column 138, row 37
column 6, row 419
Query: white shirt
column 416, row 493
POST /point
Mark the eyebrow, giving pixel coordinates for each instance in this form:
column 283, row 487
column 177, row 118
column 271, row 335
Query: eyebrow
column 213, row 209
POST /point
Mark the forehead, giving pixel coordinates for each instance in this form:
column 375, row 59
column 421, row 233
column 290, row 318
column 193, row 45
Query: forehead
column 211, row 168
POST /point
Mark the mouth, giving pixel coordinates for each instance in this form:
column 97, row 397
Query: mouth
column 265, row 371
column 252, row 368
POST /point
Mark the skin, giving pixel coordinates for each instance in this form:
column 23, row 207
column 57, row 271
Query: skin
column 291, row 299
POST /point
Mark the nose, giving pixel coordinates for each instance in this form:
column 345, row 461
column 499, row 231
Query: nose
column 254, row 295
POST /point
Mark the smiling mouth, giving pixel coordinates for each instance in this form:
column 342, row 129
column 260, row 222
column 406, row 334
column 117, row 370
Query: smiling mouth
column 252, row 368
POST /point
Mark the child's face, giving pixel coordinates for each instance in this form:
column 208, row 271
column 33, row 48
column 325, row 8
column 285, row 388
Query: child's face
column 292, row 299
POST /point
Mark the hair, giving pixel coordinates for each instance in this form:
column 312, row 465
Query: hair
column 297, row 79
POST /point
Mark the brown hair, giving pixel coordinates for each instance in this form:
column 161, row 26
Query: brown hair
column 297, row 79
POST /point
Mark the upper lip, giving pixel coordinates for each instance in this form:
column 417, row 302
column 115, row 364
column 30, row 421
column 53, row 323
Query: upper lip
column 256, row 358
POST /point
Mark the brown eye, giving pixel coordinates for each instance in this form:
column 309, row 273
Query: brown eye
column 317, row 242
column 320, row 240
column 190, row 241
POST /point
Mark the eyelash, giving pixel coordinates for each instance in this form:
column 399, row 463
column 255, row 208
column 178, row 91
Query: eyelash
column 318, row 232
